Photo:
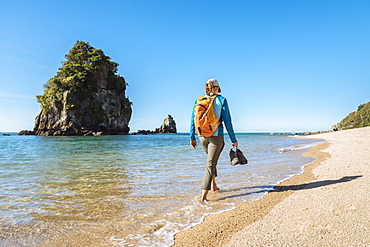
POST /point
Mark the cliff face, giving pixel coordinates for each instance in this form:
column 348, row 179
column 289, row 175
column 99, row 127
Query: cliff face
column 101, row 112
column 86, row 97
column 168, row 126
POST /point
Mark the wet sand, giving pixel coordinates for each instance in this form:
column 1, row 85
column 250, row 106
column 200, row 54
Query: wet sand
column 327, row 205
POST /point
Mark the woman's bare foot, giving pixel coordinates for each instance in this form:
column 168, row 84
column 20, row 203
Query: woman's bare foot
column 203, row 198
column 214, row 187
column 204, row 202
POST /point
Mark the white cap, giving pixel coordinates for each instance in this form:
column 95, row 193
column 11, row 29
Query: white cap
column 215, row 83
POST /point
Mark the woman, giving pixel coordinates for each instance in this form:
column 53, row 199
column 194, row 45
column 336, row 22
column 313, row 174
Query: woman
column 214, row 144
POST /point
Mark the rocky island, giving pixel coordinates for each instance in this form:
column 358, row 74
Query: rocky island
column 85, row 97
column 168, row 126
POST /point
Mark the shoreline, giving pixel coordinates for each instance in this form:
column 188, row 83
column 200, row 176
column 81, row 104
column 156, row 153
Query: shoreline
column 243, row 225
column 216, row 231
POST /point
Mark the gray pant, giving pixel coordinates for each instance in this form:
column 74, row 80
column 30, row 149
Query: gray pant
column 213, row 146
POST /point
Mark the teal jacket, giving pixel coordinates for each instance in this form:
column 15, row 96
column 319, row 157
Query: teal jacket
column 221, row 108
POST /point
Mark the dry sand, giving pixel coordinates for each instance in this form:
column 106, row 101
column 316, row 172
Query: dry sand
column 327, row 205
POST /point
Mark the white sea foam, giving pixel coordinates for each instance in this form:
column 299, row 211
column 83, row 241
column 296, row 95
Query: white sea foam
column 183, row 219
column 300, row 146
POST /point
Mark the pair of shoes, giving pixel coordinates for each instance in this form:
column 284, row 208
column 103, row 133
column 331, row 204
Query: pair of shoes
column 237, row 157
column 233, row 158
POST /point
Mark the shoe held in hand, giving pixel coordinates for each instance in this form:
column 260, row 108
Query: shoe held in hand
column 237, row 157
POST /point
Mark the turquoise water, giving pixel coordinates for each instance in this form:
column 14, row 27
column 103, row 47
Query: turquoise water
column 135, row 190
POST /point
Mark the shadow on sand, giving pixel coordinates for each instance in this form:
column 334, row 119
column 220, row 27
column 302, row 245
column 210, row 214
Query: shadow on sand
column 282, row 188
column 312, row 185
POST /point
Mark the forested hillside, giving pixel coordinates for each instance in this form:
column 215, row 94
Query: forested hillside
column 357, row 119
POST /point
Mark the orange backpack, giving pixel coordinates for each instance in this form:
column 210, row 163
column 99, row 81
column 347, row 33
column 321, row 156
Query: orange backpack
column 205, row 119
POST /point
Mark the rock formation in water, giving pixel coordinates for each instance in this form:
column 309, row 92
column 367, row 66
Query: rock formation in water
column 168, row 126
column 86, row 97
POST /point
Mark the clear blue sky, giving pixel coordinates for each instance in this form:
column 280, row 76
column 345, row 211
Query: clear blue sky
column 283, row 65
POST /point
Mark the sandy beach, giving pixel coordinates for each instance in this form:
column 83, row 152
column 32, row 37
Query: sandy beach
column 327, row 205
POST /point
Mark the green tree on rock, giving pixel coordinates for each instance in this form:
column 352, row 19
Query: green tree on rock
column 86, row 96
column 77, row 74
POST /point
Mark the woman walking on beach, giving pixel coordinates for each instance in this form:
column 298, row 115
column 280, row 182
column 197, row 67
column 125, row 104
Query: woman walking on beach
column 213, row 143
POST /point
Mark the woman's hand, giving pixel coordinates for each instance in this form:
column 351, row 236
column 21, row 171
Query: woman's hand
column 235, row 144
column 193, row 143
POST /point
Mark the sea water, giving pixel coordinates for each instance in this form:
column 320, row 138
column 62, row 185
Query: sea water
column 134, row 190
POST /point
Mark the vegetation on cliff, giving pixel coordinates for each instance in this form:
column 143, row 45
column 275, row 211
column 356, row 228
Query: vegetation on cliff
column 77, row 74
column 357, row 119
column 86, row 96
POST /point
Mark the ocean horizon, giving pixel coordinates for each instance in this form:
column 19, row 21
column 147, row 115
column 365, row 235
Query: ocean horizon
column 131, row 190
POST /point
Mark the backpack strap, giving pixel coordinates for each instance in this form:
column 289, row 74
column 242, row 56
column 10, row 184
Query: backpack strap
column 214, row 97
